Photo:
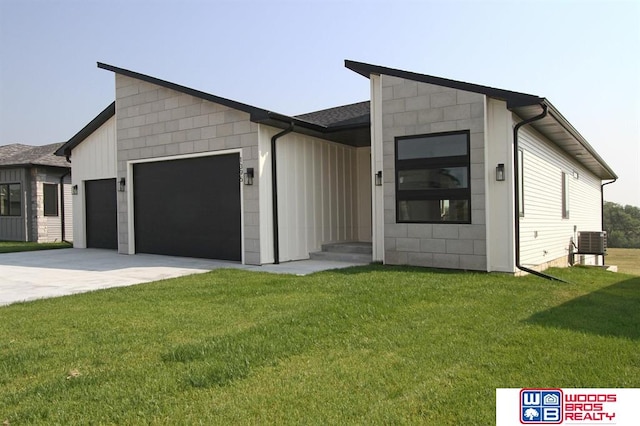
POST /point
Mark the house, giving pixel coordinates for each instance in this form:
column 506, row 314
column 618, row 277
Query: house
column 427, row 171
column 35, row 194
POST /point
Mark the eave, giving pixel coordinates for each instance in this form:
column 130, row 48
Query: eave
column 99, row 120
column 554, row 126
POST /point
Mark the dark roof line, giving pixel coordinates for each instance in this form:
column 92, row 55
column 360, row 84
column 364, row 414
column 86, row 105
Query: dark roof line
column 512, row 98
column 517, row 102
column 253, row 111
column 18, row 155
column 563, row 122
column 99, row 120
column 258, row 115
column 356, row 114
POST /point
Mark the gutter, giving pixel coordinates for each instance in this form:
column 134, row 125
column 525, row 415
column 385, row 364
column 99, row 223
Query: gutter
column 516, row 186
column 602, row 209
column 274, row 192
column 564, row 123
column 62, row 218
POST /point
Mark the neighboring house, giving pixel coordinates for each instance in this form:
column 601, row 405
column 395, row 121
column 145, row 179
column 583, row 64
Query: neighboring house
column 427, row 171
column 35, row 194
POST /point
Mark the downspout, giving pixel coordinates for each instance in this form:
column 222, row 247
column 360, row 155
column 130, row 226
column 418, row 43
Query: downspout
column 602, row 209
column 62, row 221
column 274, row 192
column 516, row 186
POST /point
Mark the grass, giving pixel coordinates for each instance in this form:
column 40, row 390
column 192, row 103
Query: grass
column 627, row 260
column 15, row 246
column 366, row 345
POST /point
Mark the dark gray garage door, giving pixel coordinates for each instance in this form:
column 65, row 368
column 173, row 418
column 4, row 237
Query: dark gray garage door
column 101, row 217
column 189, row 207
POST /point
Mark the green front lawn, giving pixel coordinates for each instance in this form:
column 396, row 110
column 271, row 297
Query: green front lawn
column 14, row 246
column 366, row 345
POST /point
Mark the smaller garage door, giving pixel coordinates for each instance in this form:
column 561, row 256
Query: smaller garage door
column 189, row 207
column 101, row 216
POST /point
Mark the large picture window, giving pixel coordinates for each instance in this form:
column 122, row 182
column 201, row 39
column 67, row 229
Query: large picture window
column 10, row 199
column 50, row 199
column 432, row 178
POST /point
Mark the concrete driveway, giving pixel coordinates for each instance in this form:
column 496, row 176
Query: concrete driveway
column 50, row 273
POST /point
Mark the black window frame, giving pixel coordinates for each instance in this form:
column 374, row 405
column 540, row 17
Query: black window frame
column 430, row 163
column 8, row 186
column 50, row 190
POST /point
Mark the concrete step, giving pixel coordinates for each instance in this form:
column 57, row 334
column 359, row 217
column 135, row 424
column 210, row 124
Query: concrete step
column 348, row 247
column 362, row 258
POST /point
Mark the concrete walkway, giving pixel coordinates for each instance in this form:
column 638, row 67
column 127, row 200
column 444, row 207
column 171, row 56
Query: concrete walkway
column 50, row 273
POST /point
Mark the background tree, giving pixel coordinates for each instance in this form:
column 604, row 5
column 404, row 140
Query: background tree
column 622, row 225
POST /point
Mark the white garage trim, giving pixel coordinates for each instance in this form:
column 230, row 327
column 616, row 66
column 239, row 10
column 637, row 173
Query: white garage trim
column 130, row 188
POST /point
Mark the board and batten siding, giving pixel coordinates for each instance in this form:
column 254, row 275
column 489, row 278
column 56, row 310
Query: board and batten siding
column 14, row 228
column 545, row 236
column 319, row 194
column 94, row 158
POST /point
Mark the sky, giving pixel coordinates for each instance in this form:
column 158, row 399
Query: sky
column 288, row 57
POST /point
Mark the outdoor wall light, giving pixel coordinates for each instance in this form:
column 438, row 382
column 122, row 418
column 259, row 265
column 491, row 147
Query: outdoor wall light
column 500, row 172
column 379, row 178
column 122, row 185
column 248, row 176
column 74, row 190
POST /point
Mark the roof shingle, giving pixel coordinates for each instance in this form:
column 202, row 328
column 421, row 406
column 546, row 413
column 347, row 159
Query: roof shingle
column 346, row 115
column 26, row 155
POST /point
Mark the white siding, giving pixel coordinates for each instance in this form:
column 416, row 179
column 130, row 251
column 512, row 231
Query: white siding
column 53, row 227
column 94, row 158
column 49, row 228
column 377, row 164
column 544, row 235
column 68, row 209
column 363, row 158
column 499, row 195
column 318, row 200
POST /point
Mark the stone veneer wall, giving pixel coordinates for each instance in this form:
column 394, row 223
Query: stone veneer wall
column 153, row 121
column 415, row 108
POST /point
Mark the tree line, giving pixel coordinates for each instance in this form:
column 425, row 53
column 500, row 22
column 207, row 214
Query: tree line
column 622, row 224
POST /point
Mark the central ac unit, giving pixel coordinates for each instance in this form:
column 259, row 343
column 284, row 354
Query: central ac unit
column 592, row 242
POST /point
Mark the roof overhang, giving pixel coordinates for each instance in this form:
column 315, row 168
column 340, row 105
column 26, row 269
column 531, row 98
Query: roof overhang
column 99, row 120
column 352, row 135
column 557, row 129
column 554, row 126
column 357, row 135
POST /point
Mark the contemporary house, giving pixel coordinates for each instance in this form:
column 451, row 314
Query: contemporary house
column 429, row 171
column 35, row 194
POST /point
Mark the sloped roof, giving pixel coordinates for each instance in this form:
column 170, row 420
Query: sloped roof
column 346, row 115
column 99, row 120
column 7, row 151
column 19, row 155
column 512, row 98
column 257, row 115
column 349, row 126
column 554, row 126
